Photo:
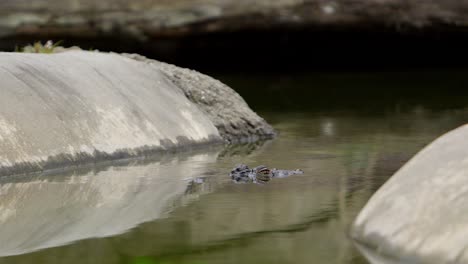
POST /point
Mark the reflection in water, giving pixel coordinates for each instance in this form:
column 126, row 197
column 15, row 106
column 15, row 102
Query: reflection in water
column 43, row 211
column 376, row 258
column 187, row 210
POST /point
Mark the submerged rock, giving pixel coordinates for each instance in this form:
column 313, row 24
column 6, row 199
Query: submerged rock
column 420, row 214
column 79, row 107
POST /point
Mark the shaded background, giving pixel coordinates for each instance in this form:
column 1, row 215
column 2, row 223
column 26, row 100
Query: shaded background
column 247, row 35
column 323, row 51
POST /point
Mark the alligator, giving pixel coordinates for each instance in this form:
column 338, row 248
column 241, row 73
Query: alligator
column 260, row 174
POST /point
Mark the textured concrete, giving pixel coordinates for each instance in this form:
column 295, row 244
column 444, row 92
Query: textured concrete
column 420, row 214
column 76, row 107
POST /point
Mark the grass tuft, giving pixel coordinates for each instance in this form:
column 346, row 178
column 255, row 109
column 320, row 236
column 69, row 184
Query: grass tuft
column 38, row 47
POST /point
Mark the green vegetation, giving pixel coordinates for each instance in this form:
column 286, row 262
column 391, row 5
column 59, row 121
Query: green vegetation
column 38, row 47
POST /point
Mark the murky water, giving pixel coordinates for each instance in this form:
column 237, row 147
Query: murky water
column 184, row 209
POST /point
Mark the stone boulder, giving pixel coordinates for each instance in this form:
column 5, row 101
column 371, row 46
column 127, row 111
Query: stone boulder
column 78, row 107
column 227, row 110
column 420, row 214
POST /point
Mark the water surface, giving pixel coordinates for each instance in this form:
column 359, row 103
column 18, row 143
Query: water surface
column 183, row 208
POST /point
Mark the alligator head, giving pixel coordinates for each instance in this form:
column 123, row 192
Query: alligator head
column 260, row 174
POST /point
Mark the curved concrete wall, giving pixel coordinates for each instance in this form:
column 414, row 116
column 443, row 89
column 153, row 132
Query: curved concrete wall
column 421, row 214
column 77, row 106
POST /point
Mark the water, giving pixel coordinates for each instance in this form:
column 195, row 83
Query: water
column 184, row 209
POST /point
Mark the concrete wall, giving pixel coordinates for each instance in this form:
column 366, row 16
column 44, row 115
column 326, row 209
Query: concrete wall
column 420, row 214
column 75, row 107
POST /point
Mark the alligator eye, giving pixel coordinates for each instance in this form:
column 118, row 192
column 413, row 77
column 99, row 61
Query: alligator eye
column 264, row 171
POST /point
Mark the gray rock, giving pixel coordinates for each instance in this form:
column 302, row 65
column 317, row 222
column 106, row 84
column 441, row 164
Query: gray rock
column 227, row 110
column 78, row 107
column 421, row 214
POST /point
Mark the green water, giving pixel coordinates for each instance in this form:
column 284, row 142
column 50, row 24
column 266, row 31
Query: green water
column 184, row 209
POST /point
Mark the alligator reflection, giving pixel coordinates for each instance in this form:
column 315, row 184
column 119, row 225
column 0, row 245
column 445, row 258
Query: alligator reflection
column 48, row 210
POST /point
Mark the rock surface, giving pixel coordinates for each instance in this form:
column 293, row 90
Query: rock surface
column 146, row 19
column 77, row 107
column 420, row 214
column 227, row 110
